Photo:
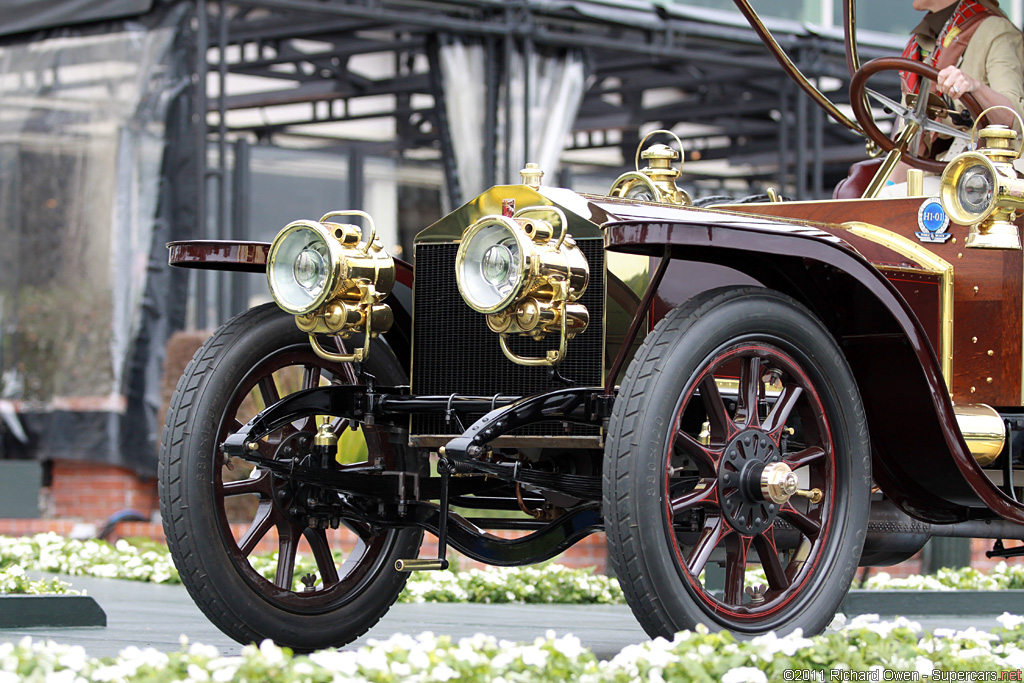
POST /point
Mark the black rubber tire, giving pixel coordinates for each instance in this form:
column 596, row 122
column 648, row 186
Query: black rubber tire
column 213, row 568
column 649, row 553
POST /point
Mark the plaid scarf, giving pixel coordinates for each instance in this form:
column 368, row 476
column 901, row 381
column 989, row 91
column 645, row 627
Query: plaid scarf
column 967, row 10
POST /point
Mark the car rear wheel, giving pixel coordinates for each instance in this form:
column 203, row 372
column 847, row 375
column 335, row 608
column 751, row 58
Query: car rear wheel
column 223, row 516
column 738, row 439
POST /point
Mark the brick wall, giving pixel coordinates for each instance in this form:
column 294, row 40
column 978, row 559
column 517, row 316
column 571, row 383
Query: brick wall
column 92, row 492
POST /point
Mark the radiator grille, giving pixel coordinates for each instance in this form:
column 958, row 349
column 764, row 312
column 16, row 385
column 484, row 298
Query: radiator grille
column 455, row 352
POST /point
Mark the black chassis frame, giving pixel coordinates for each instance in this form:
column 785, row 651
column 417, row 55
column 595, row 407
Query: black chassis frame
column 401, row 499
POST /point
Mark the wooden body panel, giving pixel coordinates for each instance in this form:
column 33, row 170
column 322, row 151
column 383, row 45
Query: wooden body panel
column 987, row 291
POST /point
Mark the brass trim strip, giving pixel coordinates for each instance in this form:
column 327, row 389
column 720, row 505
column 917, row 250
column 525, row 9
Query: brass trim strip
column 930, row 262
column 850, row 36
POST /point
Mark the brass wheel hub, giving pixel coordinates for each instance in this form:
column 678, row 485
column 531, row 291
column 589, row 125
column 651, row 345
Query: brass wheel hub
column 754, row 482
column 778, row 482
column 744, row 506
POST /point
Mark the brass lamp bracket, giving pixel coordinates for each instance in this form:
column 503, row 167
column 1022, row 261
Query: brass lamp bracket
column 350, row 275
column 552, row 357
column 542, row 282
column 355, row 212
column 359, row 355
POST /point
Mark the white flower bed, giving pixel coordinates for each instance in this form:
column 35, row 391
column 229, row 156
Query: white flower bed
column 14, row 580
column 1001, row 577
column 50, row 552
column 150, row 561
column 549, row 584
column 862, row 645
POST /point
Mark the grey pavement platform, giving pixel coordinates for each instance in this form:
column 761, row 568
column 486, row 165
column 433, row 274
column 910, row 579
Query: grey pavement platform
column 147, row 615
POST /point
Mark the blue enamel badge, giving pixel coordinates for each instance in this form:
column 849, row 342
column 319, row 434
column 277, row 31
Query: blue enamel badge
column 933, row 221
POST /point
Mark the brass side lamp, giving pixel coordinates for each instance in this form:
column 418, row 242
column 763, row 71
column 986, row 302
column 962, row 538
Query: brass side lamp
column 657, row 181
column 983, row 189
column 333, row 278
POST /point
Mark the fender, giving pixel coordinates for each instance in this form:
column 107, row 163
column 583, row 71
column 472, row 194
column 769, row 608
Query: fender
column 919, row 456
column 251, row 257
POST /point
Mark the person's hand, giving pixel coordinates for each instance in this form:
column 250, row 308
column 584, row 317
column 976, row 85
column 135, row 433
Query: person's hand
column 954, row 82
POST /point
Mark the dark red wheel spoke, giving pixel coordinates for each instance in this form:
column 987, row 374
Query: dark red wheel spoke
column 808, row 456
column 736, row 549
column 265, row 519
column 764, row 544
column 310, row 376
column 780, row 413
column 804, row 524
column 351, row 562
column 268, row 391
column 259, row 484
column 360, row 529
column 750, row 391
column 718, row 415
column 317, row 539
column 705, row 459
column 710, row 535
column 705, row 494
column 288, row 535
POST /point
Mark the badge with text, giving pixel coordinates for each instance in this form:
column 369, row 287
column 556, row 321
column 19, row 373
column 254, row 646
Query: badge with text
column 508, row 208
column 933, row 221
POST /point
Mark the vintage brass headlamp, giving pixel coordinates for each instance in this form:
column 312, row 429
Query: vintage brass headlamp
column 332, row 280
column 982, row 190
column 657, row 181
column 525, row 278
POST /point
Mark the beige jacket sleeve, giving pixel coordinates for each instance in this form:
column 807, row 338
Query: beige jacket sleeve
column 995, row 56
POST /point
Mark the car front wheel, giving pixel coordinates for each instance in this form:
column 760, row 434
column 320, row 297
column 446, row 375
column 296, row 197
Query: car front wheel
column 738, row 444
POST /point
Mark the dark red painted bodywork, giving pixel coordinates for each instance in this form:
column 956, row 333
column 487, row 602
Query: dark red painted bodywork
column 251, row 257
column 920, row 459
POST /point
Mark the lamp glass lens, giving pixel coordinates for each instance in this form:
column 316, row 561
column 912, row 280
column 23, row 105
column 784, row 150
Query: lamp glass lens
column 496, row 264
column 975, row 188
column 300, row 270
column 491, row 273
column 640, row 192
column 310, row 267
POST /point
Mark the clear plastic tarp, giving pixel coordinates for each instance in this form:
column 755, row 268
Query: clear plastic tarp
column 82, row 133
column 541, row 95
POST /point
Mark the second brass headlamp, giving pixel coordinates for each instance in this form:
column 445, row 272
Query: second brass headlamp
column 332, row 280
column 525, row 278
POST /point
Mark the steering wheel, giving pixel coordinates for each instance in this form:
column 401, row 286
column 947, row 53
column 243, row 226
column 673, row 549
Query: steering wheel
column 858, row 102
